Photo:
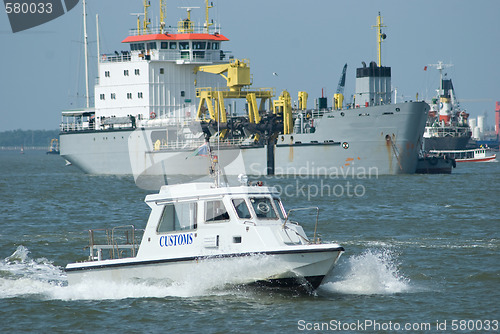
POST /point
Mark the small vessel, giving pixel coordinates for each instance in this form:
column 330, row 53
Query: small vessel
column 196, row 227
column 54, row 146
column 473, row 155
column 435, row 164
column 447, row 126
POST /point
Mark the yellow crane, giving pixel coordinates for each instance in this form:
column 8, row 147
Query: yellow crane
column 238, row 78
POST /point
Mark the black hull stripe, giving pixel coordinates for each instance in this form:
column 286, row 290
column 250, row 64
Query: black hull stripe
column 192, row 258
column 309, row 144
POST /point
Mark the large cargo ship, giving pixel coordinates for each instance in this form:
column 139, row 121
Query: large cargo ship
column 447, row 127
column 158, row 103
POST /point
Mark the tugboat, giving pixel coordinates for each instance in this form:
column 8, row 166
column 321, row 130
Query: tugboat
column 54, row 146
column 195, row 227
column 435, row 164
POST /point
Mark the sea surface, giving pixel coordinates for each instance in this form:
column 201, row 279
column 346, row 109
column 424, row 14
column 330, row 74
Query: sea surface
column 422, row 254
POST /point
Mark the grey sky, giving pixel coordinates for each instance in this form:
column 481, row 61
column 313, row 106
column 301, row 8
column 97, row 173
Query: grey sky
column 306, row 43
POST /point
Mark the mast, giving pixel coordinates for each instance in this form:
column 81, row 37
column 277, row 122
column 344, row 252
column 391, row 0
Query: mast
column 86, row 54
column 380, row 37
column 98, row 45
column 163, row 14
column 207, row 22
column 146, row 22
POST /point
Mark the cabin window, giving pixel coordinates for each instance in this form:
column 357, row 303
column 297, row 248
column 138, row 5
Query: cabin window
column 151, row 45
column 199, row 45
column 215, row 46
column 183, row 45
column 106, row 74
column 263, row 207
column 113, row 96
column 215, row 211
column 173, row 45
column 241, row 208
column 137, row 72
column 102, row 96
column 209, row 45
column 162, row 70
column 129, row 96
column 177, row 217
column 279, row 207
column 164, row 45
column 139, row 95
column 125, row 73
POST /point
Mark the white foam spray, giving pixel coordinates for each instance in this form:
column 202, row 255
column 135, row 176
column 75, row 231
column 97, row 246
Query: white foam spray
column 372, row 272
column 24, row 277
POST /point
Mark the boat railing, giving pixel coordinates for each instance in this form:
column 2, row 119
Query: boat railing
column 197, row 29
column 76, row 126
column 315, row 240
column 115, row 243
column 116, row 57
column 191, row 144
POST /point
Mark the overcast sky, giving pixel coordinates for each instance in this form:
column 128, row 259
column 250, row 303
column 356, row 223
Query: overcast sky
column 305, row 42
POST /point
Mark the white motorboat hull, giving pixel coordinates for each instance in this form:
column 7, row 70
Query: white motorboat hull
column 283, row 267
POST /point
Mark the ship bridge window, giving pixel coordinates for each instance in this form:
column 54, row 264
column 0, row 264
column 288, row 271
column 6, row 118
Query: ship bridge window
column 137, row 46
column 151, row 45
column 263, row 207
column 177, row 217
column 215, row 211
column 183, row 45
column 173, row 45
column 241, row 208
column 199, row 45
column 164, row 45
column 215, row 46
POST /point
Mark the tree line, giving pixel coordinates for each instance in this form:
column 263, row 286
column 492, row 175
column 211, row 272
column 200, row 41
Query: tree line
column 18, row 138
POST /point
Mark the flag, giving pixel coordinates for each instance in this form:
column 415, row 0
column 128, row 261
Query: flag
column 203, row 151
column 425, row 68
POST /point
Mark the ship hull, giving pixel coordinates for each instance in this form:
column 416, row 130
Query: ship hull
column 377, row 140
column 446, row 143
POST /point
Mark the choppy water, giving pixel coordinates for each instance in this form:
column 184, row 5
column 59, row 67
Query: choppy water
column 420, row 249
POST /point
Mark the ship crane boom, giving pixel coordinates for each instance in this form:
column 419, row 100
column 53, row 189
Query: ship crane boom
column 339, row 95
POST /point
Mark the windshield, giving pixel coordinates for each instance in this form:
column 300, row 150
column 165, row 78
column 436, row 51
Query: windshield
column 263, row 207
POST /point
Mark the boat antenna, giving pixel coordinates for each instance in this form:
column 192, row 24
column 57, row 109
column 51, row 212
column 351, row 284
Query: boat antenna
column 380, row 37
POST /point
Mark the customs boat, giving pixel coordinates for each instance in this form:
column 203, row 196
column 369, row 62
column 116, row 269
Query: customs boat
column 156, row 103
column 197, row 228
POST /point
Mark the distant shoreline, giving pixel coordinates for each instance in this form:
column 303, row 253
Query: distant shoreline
column 26, row 148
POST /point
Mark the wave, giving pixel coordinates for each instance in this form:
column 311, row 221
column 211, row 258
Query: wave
column 24, row 277
column 372, row 272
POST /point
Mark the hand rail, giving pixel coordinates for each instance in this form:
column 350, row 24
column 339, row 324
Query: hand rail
column 303, row 209
column 115, row 243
